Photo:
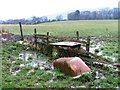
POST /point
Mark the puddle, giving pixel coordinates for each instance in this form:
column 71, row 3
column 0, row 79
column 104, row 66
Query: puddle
column 31, row 59
column 99, row 76
column 98, row 46
column 22, row 65
column 95, row 46
column 14, row 73
column 30, row 71
column 111, row 58
column 25, row 55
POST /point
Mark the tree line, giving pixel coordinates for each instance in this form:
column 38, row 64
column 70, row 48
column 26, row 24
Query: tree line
column 32, row 20
column 100, row 14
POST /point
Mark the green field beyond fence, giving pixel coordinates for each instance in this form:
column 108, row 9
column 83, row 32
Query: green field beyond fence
column 68, row 28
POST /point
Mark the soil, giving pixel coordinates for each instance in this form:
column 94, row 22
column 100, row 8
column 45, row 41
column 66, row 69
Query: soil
column 9, row 37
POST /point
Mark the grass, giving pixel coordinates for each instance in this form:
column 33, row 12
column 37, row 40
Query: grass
column 39, row 78
column 68, row 28
column 103, row 29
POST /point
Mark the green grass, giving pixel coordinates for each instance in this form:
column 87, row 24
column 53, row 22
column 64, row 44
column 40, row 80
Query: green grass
column 68, row 28
column 62, row 28
column 41, row 78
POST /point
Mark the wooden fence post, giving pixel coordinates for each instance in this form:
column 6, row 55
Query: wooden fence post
column 47, row 37
column 3, row 30
column 77, row 34
column 21, row 31
column 88, row 44
column 35, row 38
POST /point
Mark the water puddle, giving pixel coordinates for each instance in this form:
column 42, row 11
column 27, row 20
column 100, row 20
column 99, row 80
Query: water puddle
column 14, row 73
column 25, row 55
column 96, row 49
column 33, row 60
column 111, row 58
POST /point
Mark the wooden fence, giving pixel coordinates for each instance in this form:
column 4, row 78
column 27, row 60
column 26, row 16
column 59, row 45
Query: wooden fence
column 50, row 39
column 43, row 42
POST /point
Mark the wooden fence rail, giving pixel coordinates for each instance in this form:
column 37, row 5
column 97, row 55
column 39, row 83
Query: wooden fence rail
column 50, row 39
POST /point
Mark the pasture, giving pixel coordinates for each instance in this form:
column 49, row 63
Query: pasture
column 68, row 28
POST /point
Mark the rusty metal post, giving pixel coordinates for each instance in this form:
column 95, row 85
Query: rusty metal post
column 21, row 31
column 88, row 44
column 77, row 34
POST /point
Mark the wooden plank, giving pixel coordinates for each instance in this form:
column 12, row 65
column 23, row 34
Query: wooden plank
column 68, row 39
column 59, row 38
column 40, row 36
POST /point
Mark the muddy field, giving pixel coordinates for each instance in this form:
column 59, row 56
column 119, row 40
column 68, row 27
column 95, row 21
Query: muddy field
column 31, row 69
column 101, row 46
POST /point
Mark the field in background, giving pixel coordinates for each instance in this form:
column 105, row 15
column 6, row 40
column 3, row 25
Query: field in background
column 68, row 28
